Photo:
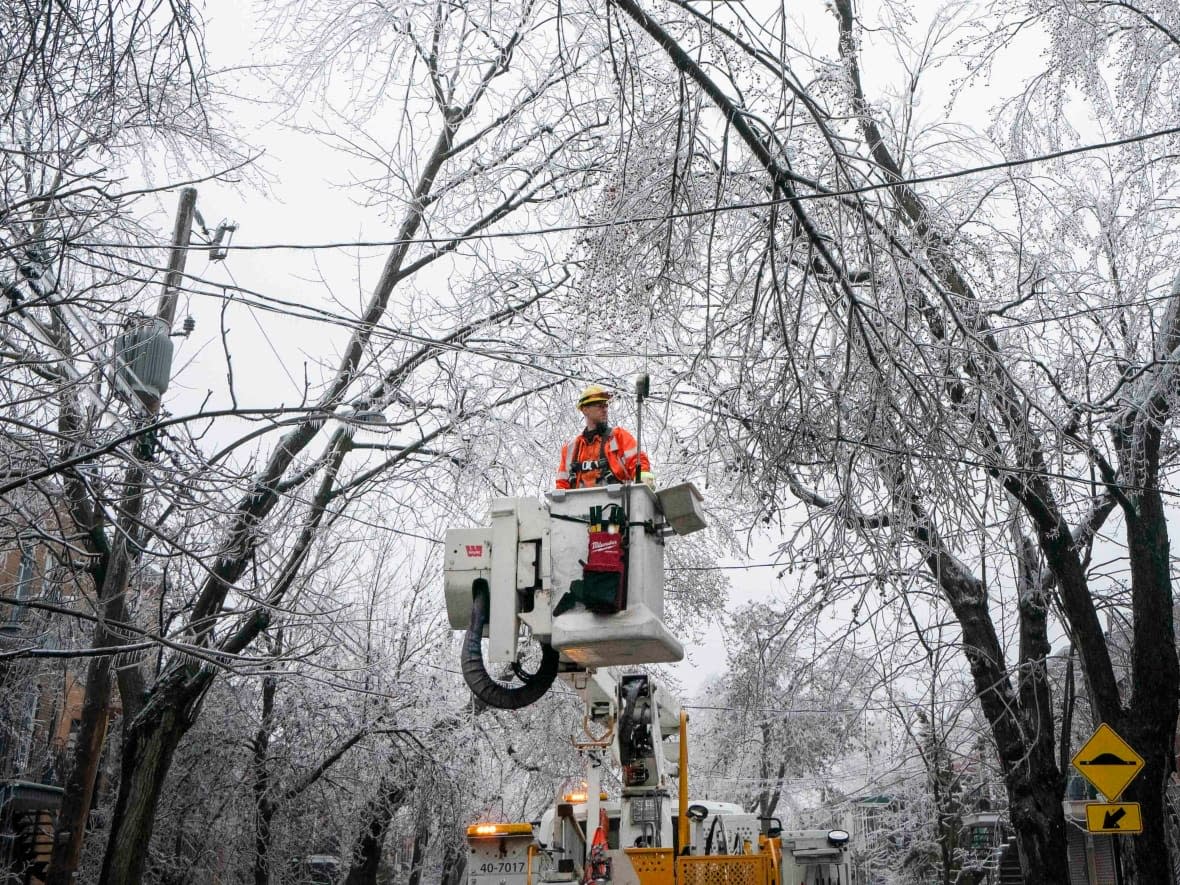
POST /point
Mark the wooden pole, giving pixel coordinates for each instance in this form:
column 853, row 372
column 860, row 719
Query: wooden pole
column 181, row 235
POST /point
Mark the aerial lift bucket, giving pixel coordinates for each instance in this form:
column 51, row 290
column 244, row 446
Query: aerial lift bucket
column 521, row 575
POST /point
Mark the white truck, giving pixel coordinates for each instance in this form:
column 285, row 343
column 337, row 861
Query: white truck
column 579, row 578
column 651, row 833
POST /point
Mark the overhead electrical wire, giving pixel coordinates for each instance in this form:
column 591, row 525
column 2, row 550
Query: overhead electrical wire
column 868, row 707
column 823, row 194
column 311, row 313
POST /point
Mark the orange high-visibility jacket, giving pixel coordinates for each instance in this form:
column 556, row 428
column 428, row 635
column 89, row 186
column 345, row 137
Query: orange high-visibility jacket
column 613, row 458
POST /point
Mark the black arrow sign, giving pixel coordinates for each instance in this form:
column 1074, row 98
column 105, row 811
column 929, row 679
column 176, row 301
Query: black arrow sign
column 1112, row 818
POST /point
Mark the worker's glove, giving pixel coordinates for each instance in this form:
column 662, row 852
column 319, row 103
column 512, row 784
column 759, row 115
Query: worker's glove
column 648, row 480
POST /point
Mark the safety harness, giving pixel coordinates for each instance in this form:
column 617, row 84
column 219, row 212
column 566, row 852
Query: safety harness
column 601, row 463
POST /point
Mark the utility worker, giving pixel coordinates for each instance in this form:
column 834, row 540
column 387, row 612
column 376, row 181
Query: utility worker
column 601, row 454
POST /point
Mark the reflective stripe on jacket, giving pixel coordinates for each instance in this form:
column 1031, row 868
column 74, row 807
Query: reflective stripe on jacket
column 620, row 451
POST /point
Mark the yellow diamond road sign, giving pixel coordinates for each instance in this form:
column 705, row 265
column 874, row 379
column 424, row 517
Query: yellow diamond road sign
column 1108, row 762
column 1113, row 817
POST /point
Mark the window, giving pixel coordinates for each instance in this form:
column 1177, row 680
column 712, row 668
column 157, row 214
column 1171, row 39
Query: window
column 24, row 585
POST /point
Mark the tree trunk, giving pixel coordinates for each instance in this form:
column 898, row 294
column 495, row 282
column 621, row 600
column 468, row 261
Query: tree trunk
column 149, row 744
column 454, row 861
column 264, row 814
column 112, row 576
column 768, row 797
column 1151, row 724
column 1146, row 860
column 264, row 806
column 1034, row 808
column 421, row 840
column 1039, row 787
column 70, row 827
column 379, row 811
column 1021, row 725
column 79, row 786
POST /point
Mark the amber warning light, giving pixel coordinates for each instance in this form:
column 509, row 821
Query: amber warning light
column 579, row 797
column 476, row 830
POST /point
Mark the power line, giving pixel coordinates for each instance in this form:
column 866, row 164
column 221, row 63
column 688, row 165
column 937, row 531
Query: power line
column 723, row 568
column 822, row 194
column 315, row 314
column 876, row 707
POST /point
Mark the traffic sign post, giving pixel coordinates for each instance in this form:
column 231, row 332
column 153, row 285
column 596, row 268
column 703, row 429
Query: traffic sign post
column 1113, row 818
column 1109, row 763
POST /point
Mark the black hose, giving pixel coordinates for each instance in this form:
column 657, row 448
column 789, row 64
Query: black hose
column 721, row 847
column 476, row 675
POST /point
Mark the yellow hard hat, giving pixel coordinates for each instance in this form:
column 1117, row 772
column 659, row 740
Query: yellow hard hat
column 594, row 394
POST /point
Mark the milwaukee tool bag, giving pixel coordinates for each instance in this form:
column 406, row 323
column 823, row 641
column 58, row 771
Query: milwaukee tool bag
column 604, row 590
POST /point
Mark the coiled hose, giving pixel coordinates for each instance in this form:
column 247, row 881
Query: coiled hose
column 482, row 685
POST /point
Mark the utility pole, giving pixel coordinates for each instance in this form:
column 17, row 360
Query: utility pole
column 115, row 569
column 181, row 235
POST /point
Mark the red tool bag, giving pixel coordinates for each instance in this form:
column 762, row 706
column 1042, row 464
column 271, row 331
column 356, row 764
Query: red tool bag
column 604, row 588
column 606, row 552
